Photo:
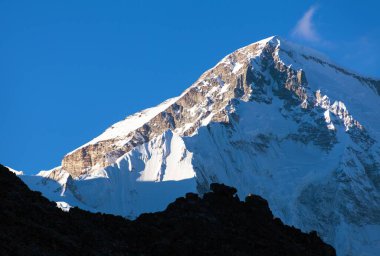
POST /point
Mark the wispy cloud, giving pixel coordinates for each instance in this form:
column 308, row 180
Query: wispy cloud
column 305, row 28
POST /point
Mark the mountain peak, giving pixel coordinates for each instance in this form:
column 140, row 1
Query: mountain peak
column 272, row 118
column 272, row 39
column 213, row 98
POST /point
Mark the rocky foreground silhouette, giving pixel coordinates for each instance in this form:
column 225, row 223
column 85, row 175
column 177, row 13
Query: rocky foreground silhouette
column 216, row 224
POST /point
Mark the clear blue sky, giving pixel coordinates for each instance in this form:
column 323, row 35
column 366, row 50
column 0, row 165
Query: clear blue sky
column 69, row 69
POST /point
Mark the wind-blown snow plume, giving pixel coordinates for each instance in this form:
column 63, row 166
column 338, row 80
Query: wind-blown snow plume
column 305, row 28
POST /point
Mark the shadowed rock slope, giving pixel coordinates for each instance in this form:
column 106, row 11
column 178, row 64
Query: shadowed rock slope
column 217, row 224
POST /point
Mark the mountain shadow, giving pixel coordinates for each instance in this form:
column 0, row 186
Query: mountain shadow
column 216, row 224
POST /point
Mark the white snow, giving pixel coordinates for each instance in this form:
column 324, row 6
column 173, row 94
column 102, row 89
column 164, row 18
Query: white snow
column 358, row 98
column 122, row 129
column 14, row 171
column 63, row 206
column 237, row 67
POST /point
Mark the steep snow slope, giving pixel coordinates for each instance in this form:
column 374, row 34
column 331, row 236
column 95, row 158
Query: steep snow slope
column 271, row 118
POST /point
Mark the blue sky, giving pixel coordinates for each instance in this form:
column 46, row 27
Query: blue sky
column 69, row 69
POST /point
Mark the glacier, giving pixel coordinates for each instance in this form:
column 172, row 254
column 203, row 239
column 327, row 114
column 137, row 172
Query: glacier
column 272, row 118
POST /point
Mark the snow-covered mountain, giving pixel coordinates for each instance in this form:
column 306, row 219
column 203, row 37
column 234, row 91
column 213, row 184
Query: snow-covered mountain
column 273, row 119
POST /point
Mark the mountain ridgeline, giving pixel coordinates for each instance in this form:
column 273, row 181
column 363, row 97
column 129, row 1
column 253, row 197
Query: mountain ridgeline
column 217, row 224
column 272, row 118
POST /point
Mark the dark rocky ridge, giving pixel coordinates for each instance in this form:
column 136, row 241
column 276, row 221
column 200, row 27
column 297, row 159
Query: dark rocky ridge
column 217, row 224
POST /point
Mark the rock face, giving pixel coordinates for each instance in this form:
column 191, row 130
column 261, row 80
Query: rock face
column 271, row 118
column 218, row 224
column 207, row 99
